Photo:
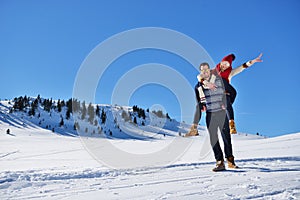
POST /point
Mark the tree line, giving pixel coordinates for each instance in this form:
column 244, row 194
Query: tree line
column 93, row 114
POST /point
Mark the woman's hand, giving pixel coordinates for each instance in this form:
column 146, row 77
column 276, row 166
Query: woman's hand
column 258, row 59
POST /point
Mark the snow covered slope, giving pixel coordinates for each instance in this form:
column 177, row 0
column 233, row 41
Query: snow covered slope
column 37, row 163
column 115, row 125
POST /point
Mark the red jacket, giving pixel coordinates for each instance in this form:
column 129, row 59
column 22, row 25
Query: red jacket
column 224, row 74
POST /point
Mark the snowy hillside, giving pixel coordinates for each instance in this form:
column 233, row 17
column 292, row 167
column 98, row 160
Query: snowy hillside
column 86, row 119
column 38, row 162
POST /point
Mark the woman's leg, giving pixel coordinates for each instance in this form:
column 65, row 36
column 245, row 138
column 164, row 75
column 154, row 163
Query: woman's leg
column 230, row 111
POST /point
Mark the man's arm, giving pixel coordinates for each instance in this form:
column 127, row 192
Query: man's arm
column 200, row 96
column 208, row 84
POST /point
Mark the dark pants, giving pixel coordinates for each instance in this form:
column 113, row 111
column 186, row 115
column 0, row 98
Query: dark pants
column 218, row 121
column 197, row 115
column 230, row 97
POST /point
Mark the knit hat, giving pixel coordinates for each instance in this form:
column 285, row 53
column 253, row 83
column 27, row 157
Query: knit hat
column 229, row 58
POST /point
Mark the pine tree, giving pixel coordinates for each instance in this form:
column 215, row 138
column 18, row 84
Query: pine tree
column 75, row 105
column 158, row 113
column 143, row 114
column 168, row 117
column 69, row 104
column 50, row 103
column 59, row 106
column 26, row 101
column 125, row 116
column 69, row 109
column 31, row 112
column 47, row 105
column 76, row 126
column 83, row 111
column 99, row 130
column 91, row 113
column 134, row 120
column 19, row 103
column 68, row 114
column 98, row 111
column 39, row 99
column 34, row 106
column 61, row 123
column 63, row 104
column 103, row 116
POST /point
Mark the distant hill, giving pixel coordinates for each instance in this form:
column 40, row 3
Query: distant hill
column 72, row 117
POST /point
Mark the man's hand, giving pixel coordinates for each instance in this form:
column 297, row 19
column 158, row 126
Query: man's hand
column 223, row 107
column 203, row 108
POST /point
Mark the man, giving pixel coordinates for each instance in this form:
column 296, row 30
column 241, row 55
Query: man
column 216, row 117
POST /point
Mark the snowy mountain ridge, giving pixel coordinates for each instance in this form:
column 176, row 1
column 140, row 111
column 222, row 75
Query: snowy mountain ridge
column 105, row 120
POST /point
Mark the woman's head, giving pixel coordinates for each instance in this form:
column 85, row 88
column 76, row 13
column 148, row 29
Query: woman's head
column 227, row 62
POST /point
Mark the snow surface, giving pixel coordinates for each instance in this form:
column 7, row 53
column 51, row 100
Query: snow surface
column 36, row 163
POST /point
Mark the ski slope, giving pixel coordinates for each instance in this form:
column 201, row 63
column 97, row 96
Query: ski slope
column 37, row 163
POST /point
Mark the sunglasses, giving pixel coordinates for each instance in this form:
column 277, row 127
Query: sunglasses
column 205, row 70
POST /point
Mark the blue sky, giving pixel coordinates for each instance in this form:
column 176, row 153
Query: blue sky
column 43, row 44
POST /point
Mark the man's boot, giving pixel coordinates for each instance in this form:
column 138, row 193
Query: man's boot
column 232, row 127
column 193, row 131
column 219, row 166
column 231, row 163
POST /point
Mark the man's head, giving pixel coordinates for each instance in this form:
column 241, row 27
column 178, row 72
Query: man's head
column 205, row 70
column 226, row 62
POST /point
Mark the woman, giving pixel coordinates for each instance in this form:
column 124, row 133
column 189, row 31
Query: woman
column 225, row 70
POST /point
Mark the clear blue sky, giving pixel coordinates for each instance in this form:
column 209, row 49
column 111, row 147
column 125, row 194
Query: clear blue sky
column 43, row 44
